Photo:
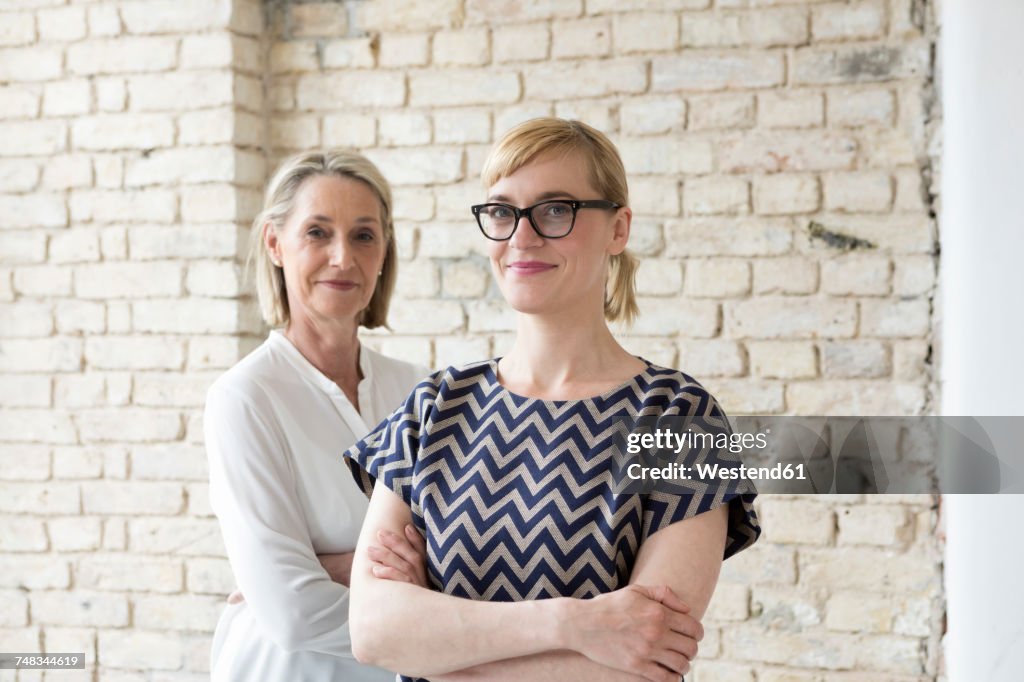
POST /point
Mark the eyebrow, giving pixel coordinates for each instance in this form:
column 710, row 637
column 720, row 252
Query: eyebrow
column 557, row 194
column 324, row 219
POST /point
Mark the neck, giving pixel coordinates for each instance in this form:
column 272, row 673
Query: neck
column 333, row 348
column 559, row 358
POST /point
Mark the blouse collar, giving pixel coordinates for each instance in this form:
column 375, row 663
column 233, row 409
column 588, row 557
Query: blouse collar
column 308, row 371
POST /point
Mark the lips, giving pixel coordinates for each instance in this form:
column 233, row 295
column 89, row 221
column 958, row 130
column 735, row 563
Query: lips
column 339, row 284
column 529, row 267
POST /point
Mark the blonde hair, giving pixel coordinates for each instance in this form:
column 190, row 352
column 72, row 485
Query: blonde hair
column 528, row 140
column 278, row 203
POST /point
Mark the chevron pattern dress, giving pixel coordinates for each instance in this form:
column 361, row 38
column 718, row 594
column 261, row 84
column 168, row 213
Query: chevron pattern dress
column 515, row 495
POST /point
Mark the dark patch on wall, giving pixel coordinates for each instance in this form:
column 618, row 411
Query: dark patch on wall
column 875, row 62
column 837, row 240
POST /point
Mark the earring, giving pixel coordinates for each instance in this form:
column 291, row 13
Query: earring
column 380, row 274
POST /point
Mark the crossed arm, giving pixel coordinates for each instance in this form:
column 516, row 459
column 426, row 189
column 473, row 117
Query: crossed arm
column 647, row 630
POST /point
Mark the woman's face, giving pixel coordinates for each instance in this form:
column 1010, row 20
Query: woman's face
column 545, row 276
column 331, row 249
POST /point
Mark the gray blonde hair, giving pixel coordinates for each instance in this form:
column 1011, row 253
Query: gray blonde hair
column 278, row 203
column 528, row 140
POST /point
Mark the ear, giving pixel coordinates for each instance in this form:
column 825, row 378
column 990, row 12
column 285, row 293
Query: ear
column 620, row 231
column 271, row 242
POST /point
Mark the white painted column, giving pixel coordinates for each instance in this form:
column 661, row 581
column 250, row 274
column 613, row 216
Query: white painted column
column 982, row 329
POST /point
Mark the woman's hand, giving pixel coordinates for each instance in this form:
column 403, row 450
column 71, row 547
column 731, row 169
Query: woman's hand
column 398, row 557
column 645, row 631
column 338, row 566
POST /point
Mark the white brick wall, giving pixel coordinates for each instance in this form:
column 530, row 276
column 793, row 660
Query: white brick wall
column 132, row 142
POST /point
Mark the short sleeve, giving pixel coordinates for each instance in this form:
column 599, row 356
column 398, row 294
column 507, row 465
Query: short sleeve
column 389, row 452
column 663, row 508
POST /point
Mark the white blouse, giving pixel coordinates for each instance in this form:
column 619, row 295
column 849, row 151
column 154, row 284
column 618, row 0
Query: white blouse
column 275, row 428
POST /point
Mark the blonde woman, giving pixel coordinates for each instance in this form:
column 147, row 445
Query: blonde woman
column 289, row 511
column 506, row 468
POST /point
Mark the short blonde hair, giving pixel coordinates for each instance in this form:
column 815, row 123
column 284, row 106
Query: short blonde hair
column 528, row 140
column 278, row 203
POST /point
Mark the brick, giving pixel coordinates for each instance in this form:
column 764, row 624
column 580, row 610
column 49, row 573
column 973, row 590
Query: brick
column 294, row 57
column 886, row 148
column 911, row 195
column 652, row 115
column 30, row 64
column 855, row 360
column 122, row 131
column 848, row 22
column 709, row 112
column 115, row 534
column 176, row 536
column 68, row 172
column 160, row 389
column 22, row 462
column 465, row 47
column 39, row 498
column 77, row 462
column 859, row 63
column 190, row 316
column 404, row 49
column 129, row 573
column 461, row 350
column 581, row 38
column 109, row 171
column 689, row 318
column 6, row 285
column 667, row 155
column 317, row 20
column 786, row 608
column 912, row 275
column 25, row 319
column 892, row 233
column 18, row 28
column 418, row 167
column 790, row 109
column 13, row 609
column 75, row 317
column 208, row 51
column 65, row 98
column 25, row 391
column 446, row 317
column 344, row 90
column 175, row 16
column 855, row 398
column 113, row 352
column 399, row 15
column 861, row 107
column 63, row 24
column 832, row 652
column 714, row 358
column 461, row 126
column 489, row 315
column 652, row 196
column 175, row 461
column 774, row 27
column 786, row 194
column 718, row 671
column 513, row 115
column 659, row 277
column 209, row 576
column 571, row 79
column 217, row 126
column 727, row 237
column 22, row 535
column 785, row 275
column 23, row 247
column 128, row 280
column 179, row 612
column 214, row 279
column 716, row 195
column 412, row 349
column 210, row 203
column 103, row 20
column 746, row 396
column 783, row 359
column 80, row 608
column 353, row 53
column 895, row 318
column 607, row 6
column 404, row 128
column 862, row 192
column 140, row 650
column 787, row 152
column 78, row 245
column 18, row 175
column 492, row 12
column 128, row 425
column 20, row 101
column 455, row 87
column 74, row 534
column 596, row 113
column 892, row 654
column 867, row 275
column 773, row 318
column 350, row 130
column 646, row 32
column 162, row 92
column 521, row 42
column 34, row 573
column 465, row 280
column 188, row 164
column 717, row 71
column 730, row 602
column 654, row 350
column 874, row 525
column 122, row 55
column 717, row 278
column 53, row 354
column 32, row 138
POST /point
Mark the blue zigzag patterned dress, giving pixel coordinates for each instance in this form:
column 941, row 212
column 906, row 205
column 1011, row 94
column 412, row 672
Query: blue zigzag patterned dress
column 515, row 495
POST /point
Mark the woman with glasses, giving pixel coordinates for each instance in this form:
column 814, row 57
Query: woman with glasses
column 289, row 511
column 506, row 466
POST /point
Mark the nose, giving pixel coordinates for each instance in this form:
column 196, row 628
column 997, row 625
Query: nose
column 341, row 254
column 525, row 236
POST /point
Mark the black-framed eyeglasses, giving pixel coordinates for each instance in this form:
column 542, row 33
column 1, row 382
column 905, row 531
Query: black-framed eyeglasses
column 552, row 219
